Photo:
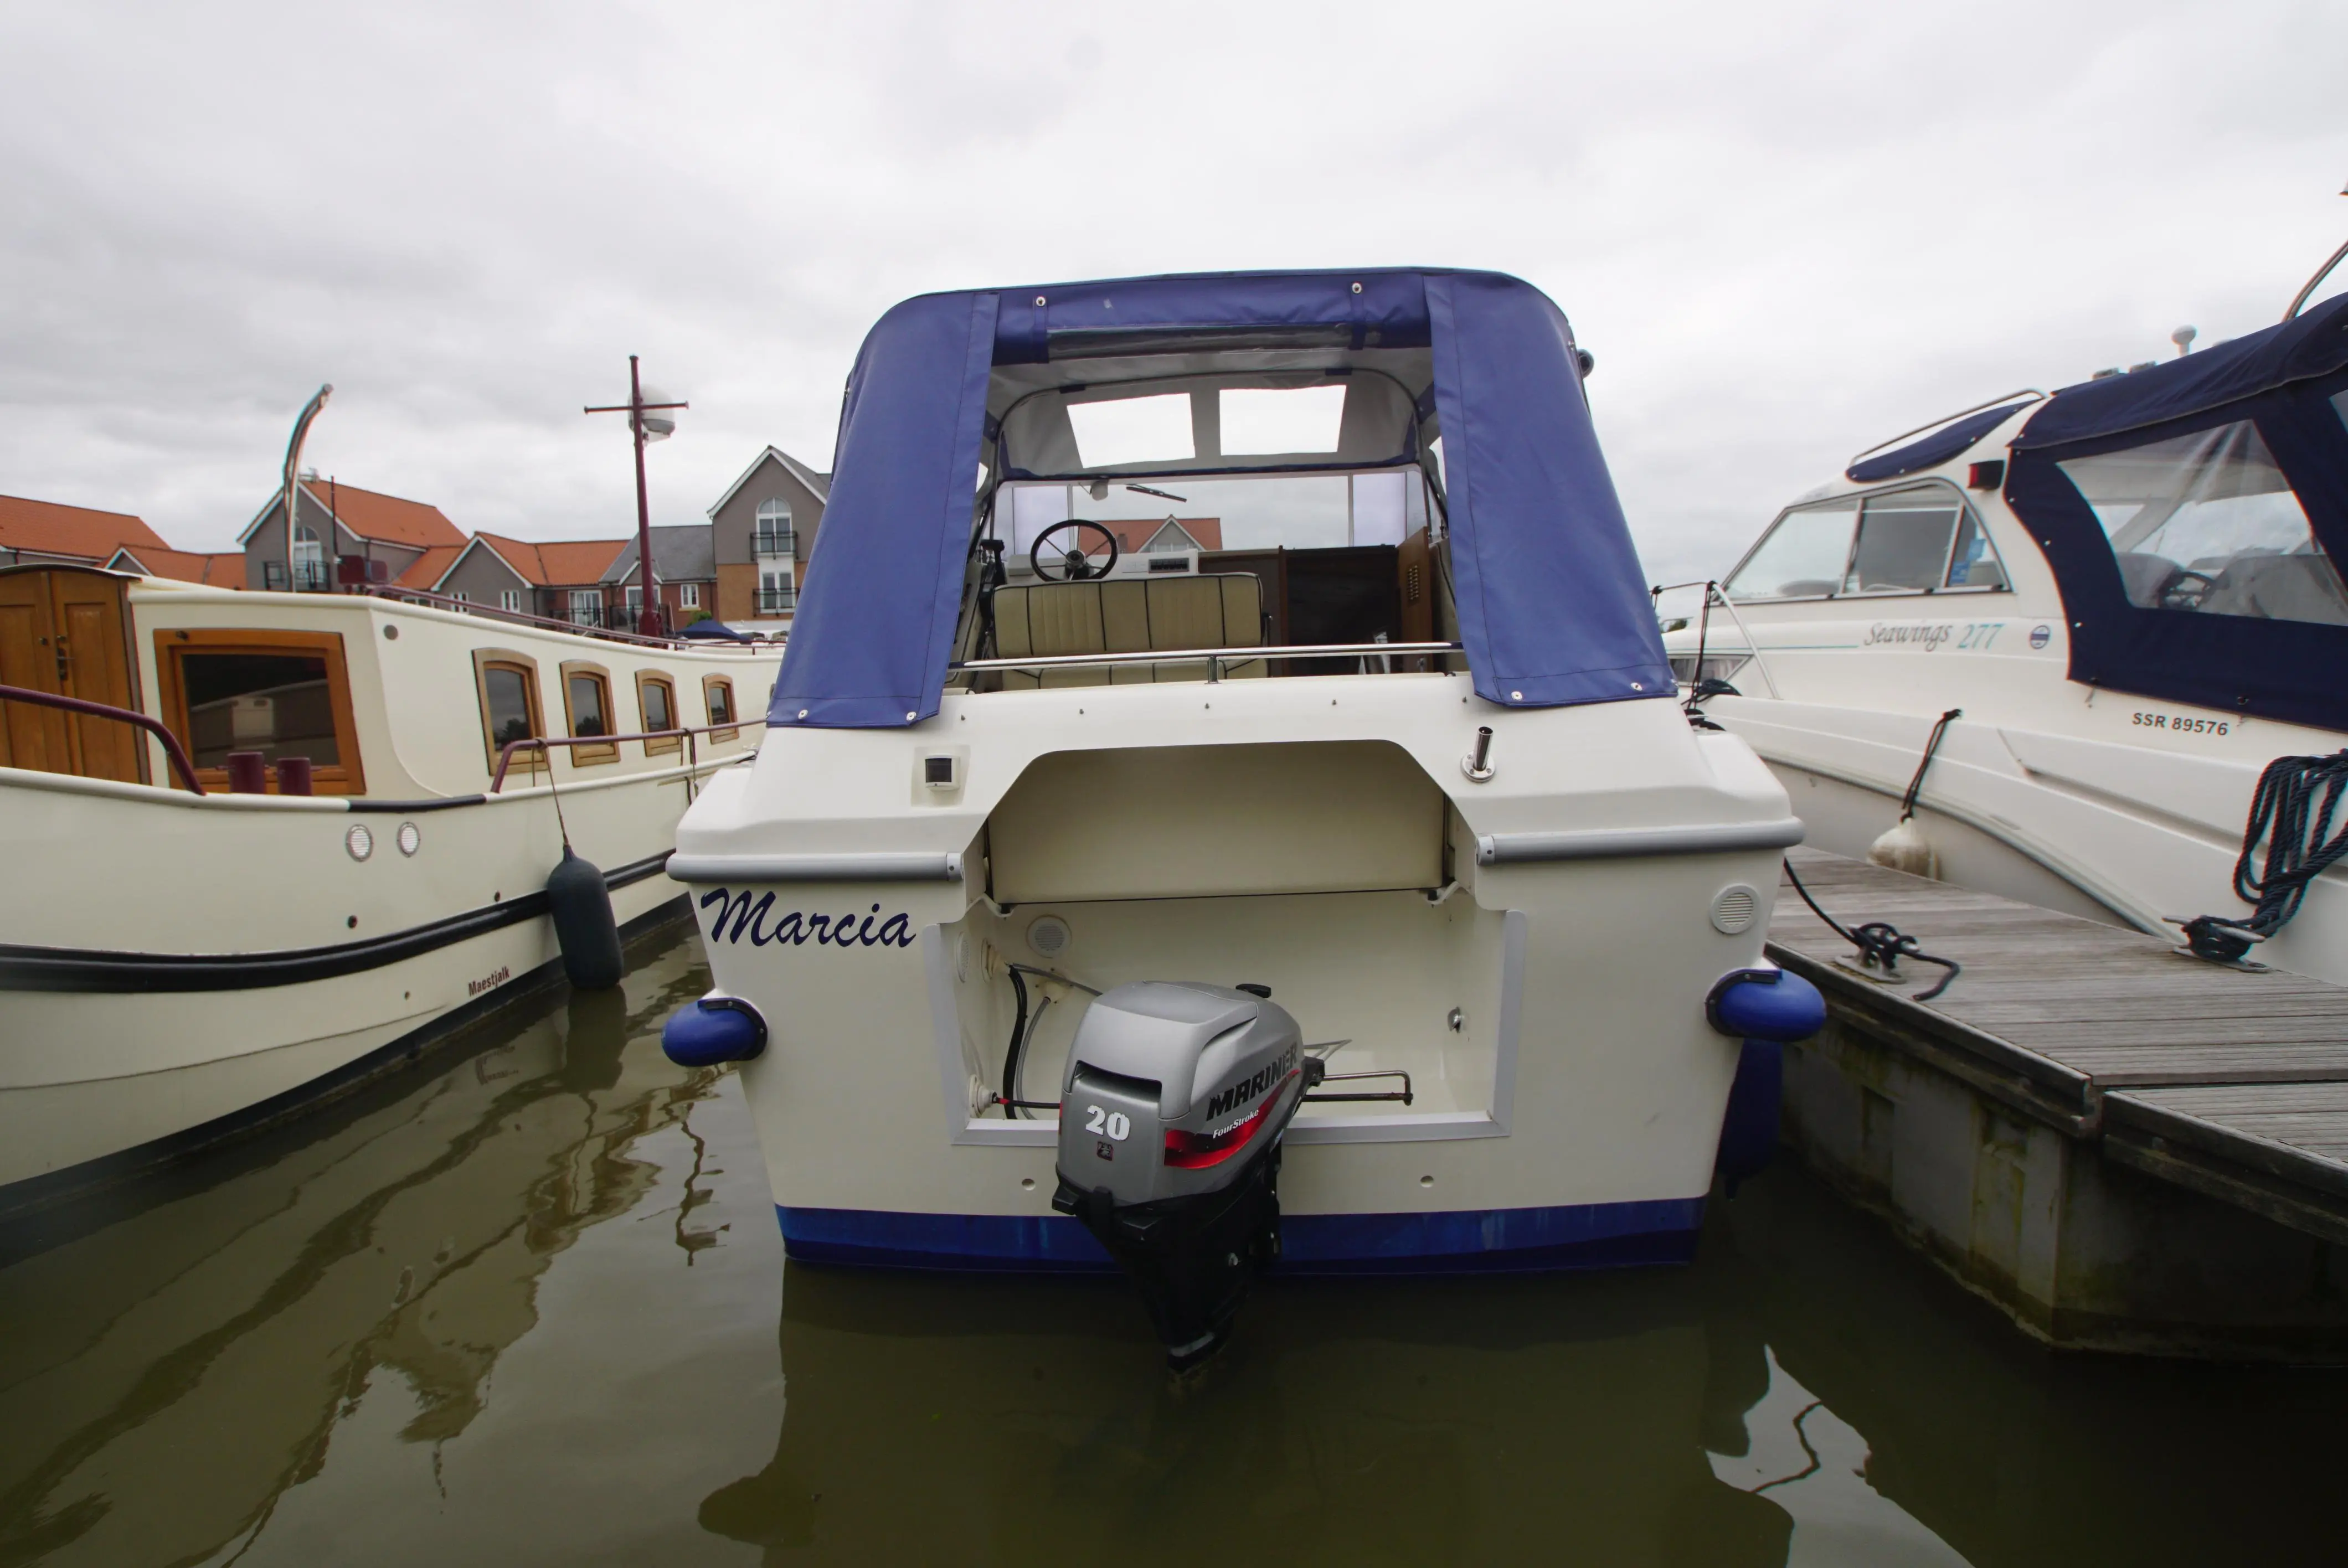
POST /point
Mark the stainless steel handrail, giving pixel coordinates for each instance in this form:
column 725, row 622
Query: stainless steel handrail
column 1752, row 646
column 2032, row 392
column 1191, row 655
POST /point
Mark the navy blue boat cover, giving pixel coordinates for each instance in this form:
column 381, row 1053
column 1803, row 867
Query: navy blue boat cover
column 1553, row 608
column 2284, row 380
column 1934, row 449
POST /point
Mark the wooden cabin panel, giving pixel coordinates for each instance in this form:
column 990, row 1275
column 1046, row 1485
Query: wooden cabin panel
column 88, row 611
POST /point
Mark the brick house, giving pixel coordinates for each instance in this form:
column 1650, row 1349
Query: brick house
column 761, row 530
column 562, row 580
column 224, row 569
column 333, row 520
column 38, row 531
column 684, row 573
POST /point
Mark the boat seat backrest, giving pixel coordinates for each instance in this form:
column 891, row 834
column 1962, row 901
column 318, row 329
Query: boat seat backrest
column 1129, row 615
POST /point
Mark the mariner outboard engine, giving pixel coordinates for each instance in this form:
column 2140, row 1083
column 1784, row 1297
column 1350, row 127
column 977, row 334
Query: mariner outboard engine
column 1171, row 1114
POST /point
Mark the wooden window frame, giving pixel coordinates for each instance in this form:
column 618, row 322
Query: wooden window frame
column 733, row 731
column 659, row 678
column 589, row 756
column 532, row 758
column 347, row 776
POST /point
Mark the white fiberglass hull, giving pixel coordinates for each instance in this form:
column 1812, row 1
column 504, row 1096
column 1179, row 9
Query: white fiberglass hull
column 1568, row 1112
column 2082, row 822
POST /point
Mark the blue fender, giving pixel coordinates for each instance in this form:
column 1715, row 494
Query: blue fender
column 1766, row 1008
column 714, row 1030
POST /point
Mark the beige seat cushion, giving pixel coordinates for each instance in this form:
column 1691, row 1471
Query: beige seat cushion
column 1129, row 615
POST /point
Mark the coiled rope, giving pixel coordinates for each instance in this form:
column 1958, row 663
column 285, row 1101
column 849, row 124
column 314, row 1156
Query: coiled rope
column 1881, row 944
column 2292, row 810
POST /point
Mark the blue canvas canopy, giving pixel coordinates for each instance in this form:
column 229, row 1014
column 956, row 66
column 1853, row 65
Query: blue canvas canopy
column 1934, row 449
column 2262, row 413
column 1552, row 607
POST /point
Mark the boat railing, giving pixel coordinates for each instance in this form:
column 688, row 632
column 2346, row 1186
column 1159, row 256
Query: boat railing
column 1215, row 657
column 1714, row 594
column 542, row 743
column 551, row 623
column 171, row 747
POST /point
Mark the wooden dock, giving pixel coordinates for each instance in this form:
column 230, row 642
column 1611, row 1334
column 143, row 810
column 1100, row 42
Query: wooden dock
column 2125, row 1147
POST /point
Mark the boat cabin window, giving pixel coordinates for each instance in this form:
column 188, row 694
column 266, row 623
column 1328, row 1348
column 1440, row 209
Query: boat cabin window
column 717, row 695
column 2208, row 523
column 587, row 705
column 506, row 686
column 656, row 701
column 1918, row 540
column 280, row 693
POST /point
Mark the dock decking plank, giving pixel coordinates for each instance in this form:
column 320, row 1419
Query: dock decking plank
column 2232, row 1080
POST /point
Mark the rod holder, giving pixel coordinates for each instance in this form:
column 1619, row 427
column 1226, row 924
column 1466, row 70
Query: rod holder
column 1477, row 764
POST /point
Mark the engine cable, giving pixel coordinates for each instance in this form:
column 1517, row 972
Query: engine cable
column 2294, row 809
column 1881, row 944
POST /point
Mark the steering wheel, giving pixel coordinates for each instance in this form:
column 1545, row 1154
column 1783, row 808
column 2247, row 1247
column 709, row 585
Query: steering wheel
column 2188, row 589
column 1074, row 563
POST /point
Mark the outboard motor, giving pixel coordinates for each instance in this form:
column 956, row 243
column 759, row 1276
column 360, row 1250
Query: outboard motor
column 1171, row 1113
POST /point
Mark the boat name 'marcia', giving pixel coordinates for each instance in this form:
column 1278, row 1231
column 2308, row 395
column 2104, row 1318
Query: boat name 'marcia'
column 852, row 930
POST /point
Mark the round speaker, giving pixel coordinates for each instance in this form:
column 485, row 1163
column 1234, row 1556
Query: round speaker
column 1049, row 935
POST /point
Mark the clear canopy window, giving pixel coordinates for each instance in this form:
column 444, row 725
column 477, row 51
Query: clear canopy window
column 1915, row 541
column 2208, row 523
column 1261, row 421
column 1120, row 431
column 1268, row 511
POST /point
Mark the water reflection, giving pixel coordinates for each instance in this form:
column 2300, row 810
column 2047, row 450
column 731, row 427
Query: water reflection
column 166, row 1377
column 523, row 1307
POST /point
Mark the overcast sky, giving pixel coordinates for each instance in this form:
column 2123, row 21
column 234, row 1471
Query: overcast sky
column 1785, row 231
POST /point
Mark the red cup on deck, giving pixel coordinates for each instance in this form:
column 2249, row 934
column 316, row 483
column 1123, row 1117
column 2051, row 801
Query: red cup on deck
column 248, row 774
column 292, row 775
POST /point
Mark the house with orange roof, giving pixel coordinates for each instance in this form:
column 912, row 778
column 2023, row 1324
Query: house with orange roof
column 387, row 535
column 224, row 569
column 563, row 579
column 47, row 531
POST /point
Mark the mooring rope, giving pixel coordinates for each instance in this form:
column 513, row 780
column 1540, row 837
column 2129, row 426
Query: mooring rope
column 1931, row 748
column 2292, row 810
column 1880, row 943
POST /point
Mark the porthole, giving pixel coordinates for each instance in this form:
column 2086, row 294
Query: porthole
column 359, row 840
column 410, row 838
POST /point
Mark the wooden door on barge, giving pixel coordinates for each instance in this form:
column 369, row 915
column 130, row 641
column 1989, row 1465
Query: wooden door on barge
column 63, row 631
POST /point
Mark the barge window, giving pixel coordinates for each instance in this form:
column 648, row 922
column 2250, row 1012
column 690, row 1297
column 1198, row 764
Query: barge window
column 1803, row 556
column 587, row 703
column 2208, row 522
column 281, row 693
column 507, row 684
column 717, row 691
column 656, row 701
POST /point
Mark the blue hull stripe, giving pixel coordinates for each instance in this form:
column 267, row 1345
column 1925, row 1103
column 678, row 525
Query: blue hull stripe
column 1501, row 1241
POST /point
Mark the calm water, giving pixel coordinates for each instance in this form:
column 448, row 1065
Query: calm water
column 532, row 1307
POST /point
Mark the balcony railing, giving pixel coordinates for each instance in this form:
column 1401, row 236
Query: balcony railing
column 309, row 576
column 773, row 542
column 778, row 600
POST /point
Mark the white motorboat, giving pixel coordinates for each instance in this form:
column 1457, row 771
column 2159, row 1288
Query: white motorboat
column 2111, row 619
column 1350, row 818
column 192, row 944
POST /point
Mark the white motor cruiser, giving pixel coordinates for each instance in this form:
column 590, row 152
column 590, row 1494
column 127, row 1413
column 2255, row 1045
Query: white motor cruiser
column 2112, row 623
column 259, row 845
column 1224, row 719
